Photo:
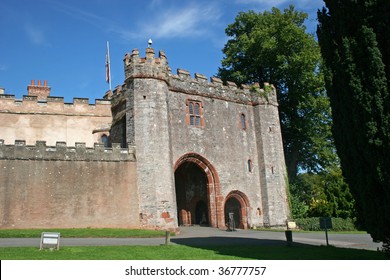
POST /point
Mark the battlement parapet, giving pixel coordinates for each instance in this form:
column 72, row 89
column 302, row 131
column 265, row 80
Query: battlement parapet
column 157, row 68
column 53, row 105
column 215, row 88
column 61, row 152
column 146, row 67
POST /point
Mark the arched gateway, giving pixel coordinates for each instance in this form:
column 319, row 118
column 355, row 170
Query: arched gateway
column 237, row 203
column 198, row 192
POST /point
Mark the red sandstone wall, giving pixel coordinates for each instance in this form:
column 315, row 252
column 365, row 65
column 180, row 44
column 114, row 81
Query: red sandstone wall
column 68, row 194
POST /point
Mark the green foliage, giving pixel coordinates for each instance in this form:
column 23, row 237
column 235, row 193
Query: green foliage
column 321, row 195
column 339, row 224
column 355, row 43
column 274, row 47
column 299, row 209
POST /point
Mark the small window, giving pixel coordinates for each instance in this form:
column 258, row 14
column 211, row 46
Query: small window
column 250, row 165
column 194, row 113
column 104, row 140
column 243, row 121
column 197, row 114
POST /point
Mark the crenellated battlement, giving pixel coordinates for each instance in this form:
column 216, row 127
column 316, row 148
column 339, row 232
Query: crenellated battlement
column 215, row 88
column 53, row 105
column 62, row 152
column 146, row 67
column 157, row 68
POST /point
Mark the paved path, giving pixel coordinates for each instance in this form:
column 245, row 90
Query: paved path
column 205, row 236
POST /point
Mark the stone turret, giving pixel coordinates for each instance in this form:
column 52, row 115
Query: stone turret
column 141, row 119
column 146, row 67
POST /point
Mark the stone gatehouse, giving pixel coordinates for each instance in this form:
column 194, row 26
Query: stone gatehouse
column 170, row 150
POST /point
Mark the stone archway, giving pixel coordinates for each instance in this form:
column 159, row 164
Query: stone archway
column 198, row 192
column 237, row 203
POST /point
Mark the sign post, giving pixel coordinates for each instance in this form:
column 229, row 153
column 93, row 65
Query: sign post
column 326, row 223
column 50, row 240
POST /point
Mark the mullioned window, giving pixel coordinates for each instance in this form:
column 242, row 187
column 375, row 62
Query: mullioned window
column 194, row 113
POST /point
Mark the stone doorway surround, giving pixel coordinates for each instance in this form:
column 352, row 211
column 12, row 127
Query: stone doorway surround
column 242, row 211
column 215, row 199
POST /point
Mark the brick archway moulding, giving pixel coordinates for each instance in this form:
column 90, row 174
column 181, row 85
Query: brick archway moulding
column 214, row 189
column 244, row 202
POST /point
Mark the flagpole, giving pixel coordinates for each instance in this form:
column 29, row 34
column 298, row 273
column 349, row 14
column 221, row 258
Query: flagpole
column 109, row 65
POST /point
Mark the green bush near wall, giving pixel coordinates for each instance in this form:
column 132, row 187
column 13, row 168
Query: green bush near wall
column 339, row 224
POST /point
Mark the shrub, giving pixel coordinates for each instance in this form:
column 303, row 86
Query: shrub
column 339, row 224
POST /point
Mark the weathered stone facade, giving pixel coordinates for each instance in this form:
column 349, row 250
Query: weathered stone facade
column 193, row 152
column 39, row 116
column 233, row 143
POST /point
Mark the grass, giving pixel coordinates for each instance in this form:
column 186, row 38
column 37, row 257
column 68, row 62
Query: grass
column 173, row 252
column 82, row 232
column 181, row 252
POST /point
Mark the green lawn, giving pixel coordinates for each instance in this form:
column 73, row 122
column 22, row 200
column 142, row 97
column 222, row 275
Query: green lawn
column 181, row 252
column 173, row 252
column 82, row 232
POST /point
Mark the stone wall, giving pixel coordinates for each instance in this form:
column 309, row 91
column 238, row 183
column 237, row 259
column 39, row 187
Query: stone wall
column 223, row 142
column 53, row 120
column 148, row 127
column 247, row 160
column 67, row 187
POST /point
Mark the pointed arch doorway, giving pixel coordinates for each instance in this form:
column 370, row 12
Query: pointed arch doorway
column 198, row 192
column 237, row 203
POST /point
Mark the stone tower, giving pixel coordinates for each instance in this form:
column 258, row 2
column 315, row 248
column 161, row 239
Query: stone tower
column 141, row 120
column 204, row 150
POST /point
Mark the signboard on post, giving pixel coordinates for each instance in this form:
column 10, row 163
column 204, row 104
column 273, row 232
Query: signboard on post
column 326, row 223
column 50, row 240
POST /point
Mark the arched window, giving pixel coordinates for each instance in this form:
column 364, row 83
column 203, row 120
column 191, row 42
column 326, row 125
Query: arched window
column 192, row 117
column 194, row 113
column 197, row 114
column 104, row 140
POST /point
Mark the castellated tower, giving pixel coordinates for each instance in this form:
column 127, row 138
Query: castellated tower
column 143, row 122
column 184, row 151
column 207, row 153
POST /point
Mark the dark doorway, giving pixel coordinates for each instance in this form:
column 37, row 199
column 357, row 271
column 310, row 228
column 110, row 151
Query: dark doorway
column 191, row 195
column 201, row 214
column 232, row 205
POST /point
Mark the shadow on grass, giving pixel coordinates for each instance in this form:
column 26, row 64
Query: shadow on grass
column 268, row 249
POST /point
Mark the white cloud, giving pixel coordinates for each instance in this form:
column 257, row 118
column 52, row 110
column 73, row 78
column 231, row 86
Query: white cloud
column 182, row 23
column 263, row 3
column 35, row 35
column 191, row 21
column 268, row 4
column 79, row 14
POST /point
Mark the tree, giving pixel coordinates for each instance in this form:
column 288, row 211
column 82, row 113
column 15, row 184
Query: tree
column 274, row 47
column 355, row 43
column 322, row 194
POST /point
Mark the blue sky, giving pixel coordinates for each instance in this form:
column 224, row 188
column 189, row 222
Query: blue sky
column 64, row 42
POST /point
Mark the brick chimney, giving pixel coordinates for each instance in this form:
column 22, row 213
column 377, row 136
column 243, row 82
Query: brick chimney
column 41, row 91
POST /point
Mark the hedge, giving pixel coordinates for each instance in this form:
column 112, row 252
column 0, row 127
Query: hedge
column 313, row 224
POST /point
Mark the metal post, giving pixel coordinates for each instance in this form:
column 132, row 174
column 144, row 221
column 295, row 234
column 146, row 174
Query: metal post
column 289, row 237
column 326, row 234
column 167, row 237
